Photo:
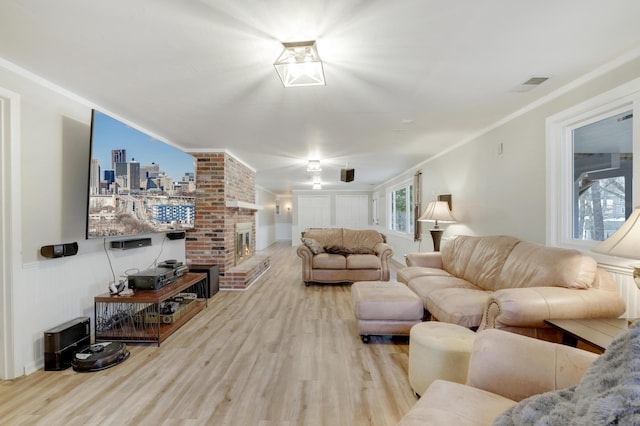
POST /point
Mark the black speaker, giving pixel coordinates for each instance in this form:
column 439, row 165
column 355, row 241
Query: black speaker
column 61, row 342
column 130, row 244
column 59, row 250
column 347, row 175
column 213, row 277
column 176, row 235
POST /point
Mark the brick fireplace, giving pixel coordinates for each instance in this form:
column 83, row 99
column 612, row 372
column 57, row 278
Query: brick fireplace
column 225, row 198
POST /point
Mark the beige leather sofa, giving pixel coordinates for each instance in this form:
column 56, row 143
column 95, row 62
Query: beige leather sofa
column 504, row 369
column 344, row 255
column 505, row 283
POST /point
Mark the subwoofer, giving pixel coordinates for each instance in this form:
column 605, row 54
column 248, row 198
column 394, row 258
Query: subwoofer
column 62, row 341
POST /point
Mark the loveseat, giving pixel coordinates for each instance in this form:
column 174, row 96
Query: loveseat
column 336, row 255
column 505, row 283
column 504, row 369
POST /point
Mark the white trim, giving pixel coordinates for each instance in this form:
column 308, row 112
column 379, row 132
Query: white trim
column 558, row 161
column 218, row 151
column 10, row 221
column 235, row 204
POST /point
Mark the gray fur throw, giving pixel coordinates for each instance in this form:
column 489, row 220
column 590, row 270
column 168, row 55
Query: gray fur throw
column 608, row 394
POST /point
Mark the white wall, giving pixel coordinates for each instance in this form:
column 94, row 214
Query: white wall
column 265, row 218
column 284, row 220
column 54, row 143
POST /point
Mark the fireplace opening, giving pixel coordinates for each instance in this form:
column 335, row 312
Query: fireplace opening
column 243, row 241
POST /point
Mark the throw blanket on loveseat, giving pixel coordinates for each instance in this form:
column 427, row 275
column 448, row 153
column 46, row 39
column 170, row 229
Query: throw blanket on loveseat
column 608, row 394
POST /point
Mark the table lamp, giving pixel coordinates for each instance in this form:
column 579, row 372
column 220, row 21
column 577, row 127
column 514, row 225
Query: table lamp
column 625, row 242
column 437, row 211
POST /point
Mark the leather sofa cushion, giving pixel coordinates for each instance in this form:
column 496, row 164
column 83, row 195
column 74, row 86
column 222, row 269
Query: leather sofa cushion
column 355, row 240
column 424, row 286
column 533, row 265
column 407, row 274
column 326, row 237
column 487, row 260
column 456, row 253
column 329, row 261
column 462, row 306
column 498, row 262
column 363, row 261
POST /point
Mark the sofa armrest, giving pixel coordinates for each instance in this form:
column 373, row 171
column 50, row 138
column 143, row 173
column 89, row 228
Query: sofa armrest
column 529, row 307
column 384, row 251
column 517, row 367
column 428, row 260
column 306, row 255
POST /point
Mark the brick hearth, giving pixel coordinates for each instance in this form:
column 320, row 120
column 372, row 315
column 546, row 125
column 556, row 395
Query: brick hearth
column 220, row 179
column 242, row 276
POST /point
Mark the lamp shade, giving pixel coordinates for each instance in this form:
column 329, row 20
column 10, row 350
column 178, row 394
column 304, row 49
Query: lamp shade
column 625, row 242
column 437, row 211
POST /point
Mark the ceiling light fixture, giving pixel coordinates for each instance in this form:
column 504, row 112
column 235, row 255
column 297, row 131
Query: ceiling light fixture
column 299, row 65
column 314, row 166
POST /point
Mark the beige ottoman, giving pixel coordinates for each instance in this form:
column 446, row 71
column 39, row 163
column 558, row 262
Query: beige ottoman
column 438, row 350
column 385, row 308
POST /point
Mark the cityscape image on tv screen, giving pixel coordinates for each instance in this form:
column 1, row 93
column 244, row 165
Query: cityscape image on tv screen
column 137, row 184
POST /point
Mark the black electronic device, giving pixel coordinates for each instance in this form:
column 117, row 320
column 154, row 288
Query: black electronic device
column 170, row 263
column 99, row 356
column 62, row 341
column 151, row 279
column 130, row 244
column 181, row 270
column 59, row 250
column 213, row 278
column 347, row 175
column 176, row 235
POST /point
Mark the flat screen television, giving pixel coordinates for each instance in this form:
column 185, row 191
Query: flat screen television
column 137, row 184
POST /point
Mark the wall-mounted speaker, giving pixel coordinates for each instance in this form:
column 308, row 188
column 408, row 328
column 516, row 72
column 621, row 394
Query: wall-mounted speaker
column 347, row 175
column 59, row 250
column 130, row 244
column 176, row 235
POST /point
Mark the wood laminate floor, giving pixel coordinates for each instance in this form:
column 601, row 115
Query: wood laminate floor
column 279, row 353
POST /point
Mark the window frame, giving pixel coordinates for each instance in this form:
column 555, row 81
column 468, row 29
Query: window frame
column 559, row 158
column 407, row 185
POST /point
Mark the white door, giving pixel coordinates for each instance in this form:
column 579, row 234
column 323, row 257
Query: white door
column 314, row 212
column 352, row 211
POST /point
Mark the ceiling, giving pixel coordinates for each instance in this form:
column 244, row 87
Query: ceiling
column 406, row 79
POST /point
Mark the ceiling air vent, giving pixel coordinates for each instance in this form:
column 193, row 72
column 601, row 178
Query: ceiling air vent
column 530, row 84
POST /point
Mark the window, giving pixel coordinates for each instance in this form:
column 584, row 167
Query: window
column 602, row 171
column 590, row 168
column 401, row 217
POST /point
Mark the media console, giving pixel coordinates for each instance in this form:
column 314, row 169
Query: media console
column 138, row 318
